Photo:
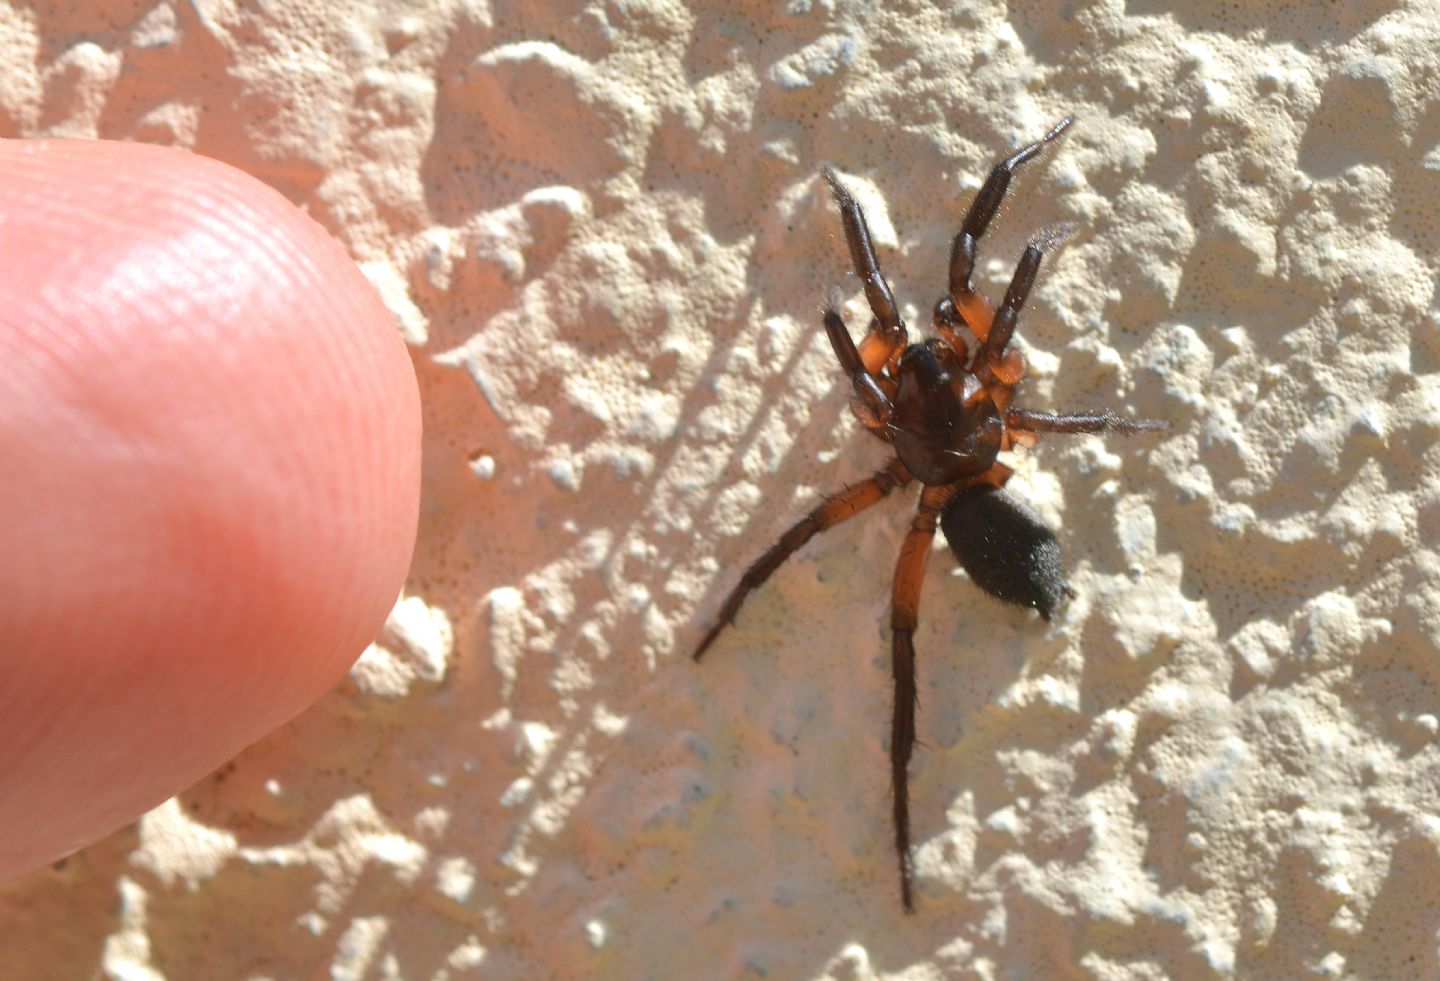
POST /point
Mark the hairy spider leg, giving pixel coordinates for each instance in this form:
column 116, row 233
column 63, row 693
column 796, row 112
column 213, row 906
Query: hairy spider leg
column 1094, row 421
column 830, row 512
column 878, row 409
column 976, row 310
column 904, row 615
column 1007, row 366
column 1002, row 368
column 887, row 336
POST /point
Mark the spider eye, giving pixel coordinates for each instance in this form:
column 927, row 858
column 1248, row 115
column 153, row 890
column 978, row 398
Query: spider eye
column 1005, row 548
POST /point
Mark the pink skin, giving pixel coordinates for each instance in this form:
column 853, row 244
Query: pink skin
column 209, row 478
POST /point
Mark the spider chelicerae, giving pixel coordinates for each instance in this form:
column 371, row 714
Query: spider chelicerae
column 948, row 413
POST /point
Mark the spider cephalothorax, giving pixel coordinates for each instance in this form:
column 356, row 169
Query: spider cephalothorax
column 947, row 411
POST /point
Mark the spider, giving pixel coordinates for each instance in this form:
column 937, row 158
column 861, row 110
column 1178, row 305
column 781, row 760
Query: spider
column 948, row 413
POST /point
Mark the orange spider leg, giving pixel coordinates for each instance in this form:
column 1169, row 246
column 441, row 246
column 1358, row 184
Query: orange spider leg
column 887, row 335
column 904, row 614
column 977, row 311
column 880, row 350
column 831, row 511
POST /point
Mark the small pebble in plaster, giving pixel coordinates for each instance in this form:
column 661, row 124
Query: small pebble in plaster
column 358, row 947
column 1113, row 736
column 1232, row 520
column 994, row 925
column 595, row 934
column 1135, row 529
column 483, row 466
column 821, row 58
column 85, row 74
column 414, row 647
column 157, row 29
column 612, row 724
column 505, row 607
column 658, row 419
column 534, row 742
column 629, row 462
column 852, row 963
column 550, row 212
column 564, row 475
column 947, row 411
column 1264, row 917
column 1345, row 921
column 1182, row 362
column 1005, row 821
column 1417, row 730
column 517, row 792
column 1259, row 645
column 466, row 958
column 455, row 879
column 1170, row 701
column 637, row 598
column 174, row 847
column 1219, row 955
column 437, row 259
column 1337, row 885
column 1219, row 775
column 1331, row 632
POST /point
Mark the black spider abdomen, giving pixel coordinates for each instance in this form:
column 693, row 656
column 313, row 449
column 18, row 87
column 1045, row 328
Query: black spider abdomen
column 1005, row 548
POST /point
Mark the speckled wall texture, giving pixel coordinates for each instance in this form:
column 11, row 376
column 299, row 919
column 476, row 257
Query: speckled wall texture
column 602, row 231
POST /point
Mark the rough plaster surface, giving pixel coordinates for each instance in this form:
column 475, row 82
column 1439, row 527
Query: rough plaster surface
column 600, row 228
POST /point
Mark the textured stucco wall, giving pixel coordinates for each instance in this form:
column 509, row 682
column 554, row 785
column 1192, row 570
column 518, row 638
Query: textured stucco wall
column 601, row 230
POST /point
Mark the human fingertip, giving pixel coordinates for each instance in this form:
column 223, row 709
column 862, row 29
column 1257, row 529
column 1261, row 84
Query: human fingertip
column 212, row 432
